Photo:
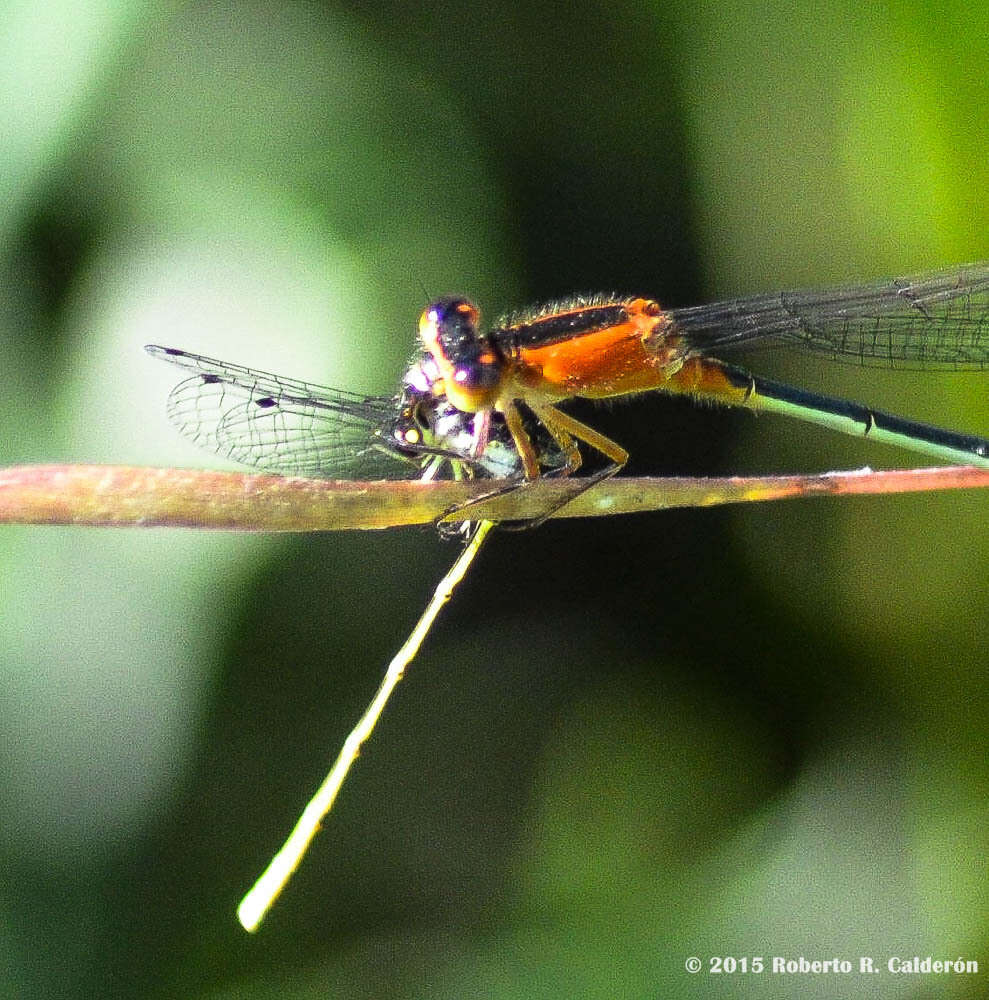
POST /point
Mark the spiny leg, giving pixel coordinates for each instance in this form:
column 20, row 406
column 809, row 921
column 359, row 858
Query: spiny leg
column 558, row 422
column 522, row 441
column 566, row 430
column 567, row 445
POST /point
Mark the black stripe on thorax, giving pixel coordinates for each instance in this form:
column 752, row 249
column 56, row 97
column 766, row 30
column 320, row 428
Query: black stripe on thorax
column 541, row 331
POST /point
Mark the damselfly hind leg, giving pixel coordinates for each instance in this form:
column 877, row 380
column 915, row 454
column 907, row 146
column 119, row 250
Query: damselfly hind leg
column 579, row 486
column 566, row 432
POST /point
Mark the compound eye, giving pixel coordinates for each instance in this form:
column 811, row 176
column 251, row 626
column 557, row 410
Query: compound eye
column 407, row 437
column 448, row 327
column 471, row 369
column 408, row 429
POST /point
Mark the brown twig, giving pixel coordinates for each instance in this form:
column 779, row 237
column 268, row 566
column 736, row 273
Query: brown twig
column 129, row 496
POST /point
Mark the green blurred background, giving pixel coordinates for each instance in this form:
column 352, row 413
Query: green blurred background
column 751, row 731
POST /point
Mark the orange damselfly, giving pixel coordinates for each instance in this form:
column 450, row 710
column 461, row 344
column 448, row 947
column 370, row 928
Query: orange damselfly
column 486, row 404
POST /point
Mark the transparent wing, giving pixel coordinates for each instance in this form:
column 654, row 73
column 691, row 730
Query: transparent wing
column 281, row 425
column 935, row 320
